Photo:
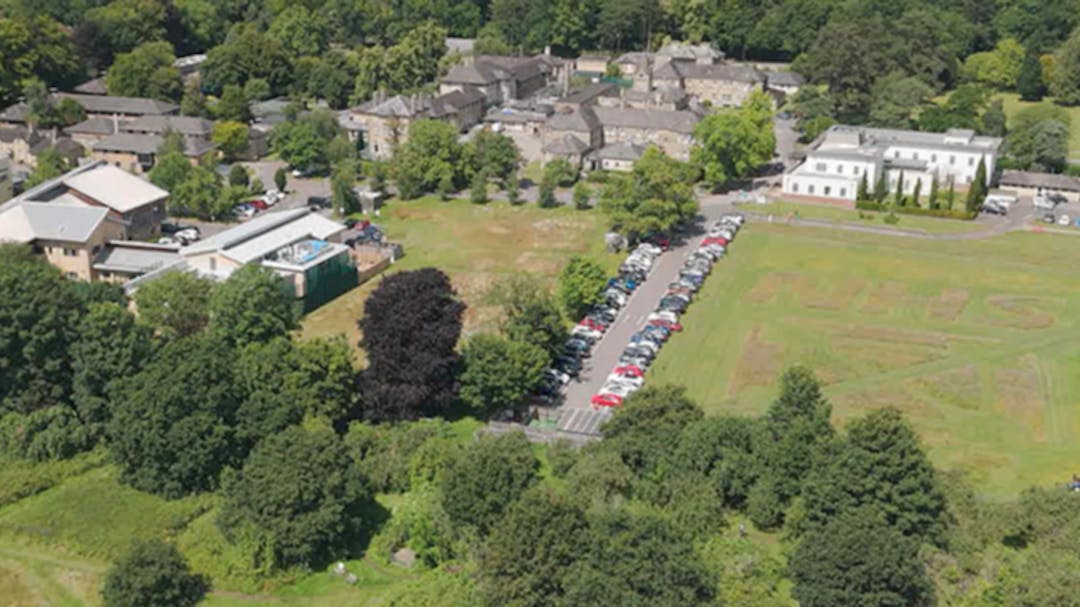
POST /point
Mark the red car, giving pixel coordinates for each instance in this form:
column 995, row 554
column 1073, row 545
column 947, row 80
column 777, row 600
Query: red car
column 629, row 371
column 259, row 204
column 714, row 240
column 606, row 400
column 592, row 324
column 671, row 326
column 661, row 241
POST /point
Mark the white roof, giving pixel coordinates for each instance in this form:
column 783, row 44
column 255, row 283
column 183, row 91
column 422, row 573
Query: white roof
column 115, row 188
column 266, row 233
column 31, row 221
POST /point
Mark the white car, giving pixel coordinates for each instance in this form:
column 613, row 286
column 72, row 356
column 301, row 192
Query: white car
column 637, row 382
column 639, row 257
column 620, row 390
column 651, row 249
column 665, row 315
column 557, row 375
column 586, row 332
column 722, row 233
column 187, row 235
column 1063, row 220
column 738, row 220
column 167, row 240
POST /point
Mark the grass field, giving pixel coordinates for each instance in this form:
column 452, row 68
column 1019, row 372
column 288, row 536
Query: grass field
column 977, row 341
column 55, row 546
column 782, row 210
column 475, row 245
column 1013, row 104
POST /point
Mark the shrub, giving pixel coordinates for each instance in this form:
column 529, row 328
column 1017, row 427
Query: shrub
column 866, row 205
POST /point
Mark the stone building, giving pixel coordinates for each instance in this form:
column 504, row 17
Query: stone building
column 721, row 85
column 598, row 127
column 383, row 123
column 502, row 79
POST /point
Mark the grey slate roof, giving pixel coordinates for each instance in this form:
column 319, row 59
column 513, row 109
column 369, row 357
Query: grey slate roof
column 135, row 143
column 133, row 106
column 136, row 257
column 675, row 70
column 29, row 221
column 97, row 125
column 679, row 121
column 785, row 79
column 15, row 133
column 93, row 87
column 454, row 101
column 619, row 151
column 1029, row 179
column 582, row 119
column 590, row 92
column 185, row 125
column 566, row 145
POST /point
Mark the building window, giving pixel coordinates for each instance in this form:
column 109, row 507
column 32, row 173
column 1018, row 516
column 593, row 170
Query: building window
column 794, row 187
column 820, row 167
column 843, row 192
column 971, row 162
column 952, row 160
column 896, row 154
column 828, row 190
column 213, row 264
column 968, row 179
column 97, row 249
column 933, row 157
column 914, row 155
column 839, row 169
column 70, row 252
column 810, row 189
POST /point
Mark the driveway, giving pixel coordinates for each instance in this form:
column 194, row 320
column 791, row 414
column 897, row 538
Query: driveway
column 607, row 351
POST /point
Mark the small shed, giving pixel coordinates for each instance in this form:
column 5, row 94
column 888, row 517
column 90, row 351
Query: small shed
column 404, row 558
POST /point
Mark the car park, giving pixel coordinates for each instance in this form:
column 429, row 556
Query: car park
column 637, row 381
column 586, row 333
column 606, row 400
column 669, row 325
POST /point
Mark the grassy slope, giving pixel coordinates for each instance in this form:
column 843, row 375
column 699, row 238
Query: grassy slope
column 475, row 245
column 912, row 223
column 975, row 341
column 1013, row 104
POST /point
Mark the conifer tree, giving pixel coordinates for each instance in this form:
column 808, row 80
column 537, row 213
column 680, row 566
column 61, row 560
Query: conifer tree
column 864, row 189
column 898, row 200
column 932, row 202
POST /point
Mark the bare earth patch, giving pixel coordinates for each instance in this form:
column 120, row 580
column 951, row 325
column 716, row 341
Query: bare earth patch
column 949, row 305
column 1025, row 313
column 759, row 363
column 1020, row 394
column 837, row 298
column 956, row 387
column 884, row 297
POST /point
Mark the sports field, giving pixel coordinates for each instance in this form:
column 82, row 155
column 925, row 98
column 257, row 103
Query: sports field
column 977, row 341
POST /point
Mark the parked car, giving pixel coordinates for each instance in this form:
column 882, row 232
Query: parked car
column 586, row 333
column 1049, row 218
column 319, row 202
column 244, row 210
column 1063, row 220
column 636, row 381
column 628, row 371
column 579, row 348
column 259, row 204
column 305, row 172
column 711, row 240
column 665, row 316
column 674, row 304
column 655, row 238
column 993, row 209
column 620, row 390
column 167, row 240
column 556, row 375
column 592, row 323
column 606, row 400
column 670, row 326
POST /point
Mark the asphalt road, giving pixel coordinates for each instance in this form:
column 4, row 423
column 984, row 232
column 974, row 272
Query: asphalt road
column 607, row 351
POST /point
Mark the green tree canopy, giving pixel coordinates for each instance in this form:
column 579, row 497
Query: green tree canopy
column 654, row 198
column 231, row 138
column 172, row 427
column 998, row 68
column 530, row 312
column 731, row 145
column 299, row 494
column 487, row 476
column 431, row 155
column 856, row 560
column 152, row 573
column 500, row 372
column 255, row 304
column 581, row 285
column 880, row 467
column 175, row 305
column 146, row 71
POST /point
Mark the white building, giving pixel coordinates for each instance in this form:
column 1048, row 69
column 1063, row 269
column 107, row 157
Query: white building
column 837, row 160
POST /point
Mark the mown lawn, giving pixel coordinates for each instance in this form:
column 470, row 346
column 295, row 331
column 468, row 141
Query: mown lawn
column 784, row 210
column 475, row 245
column 977, row 342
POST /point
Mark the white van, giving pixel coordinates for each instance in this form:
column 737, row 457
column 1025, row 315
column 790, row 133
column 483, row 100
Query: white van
column 1043, row 202
column 1002, row 200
